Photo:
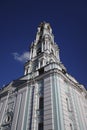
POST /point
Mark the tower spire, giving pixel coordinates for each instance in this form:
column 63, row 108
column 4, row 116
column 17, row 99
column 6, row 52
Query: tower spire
column 43, row 29
column 44, row 41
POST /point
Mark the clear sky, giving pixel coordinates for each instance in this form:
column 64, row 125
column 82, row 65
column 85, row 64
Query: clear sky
column 19, row 20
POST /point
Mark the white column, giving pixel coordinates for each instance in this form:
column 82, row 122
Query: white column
column 43, row 61
column 42, row 46
column 31, row 53
column 50, row 47
column 45, row 45
column 39, row 64
column 34, row 52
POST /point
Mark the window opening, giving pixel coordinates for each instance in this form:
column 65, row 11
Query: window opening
column 41, row 103
column 43, row 46
column 41, row 71
column 40, row 126
column 52, row 51
column 27, row 71
column 38, row 51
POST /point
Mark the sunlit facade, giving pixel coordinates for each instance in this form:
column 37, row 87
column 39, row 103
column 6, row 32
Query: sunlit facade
column 46, row 97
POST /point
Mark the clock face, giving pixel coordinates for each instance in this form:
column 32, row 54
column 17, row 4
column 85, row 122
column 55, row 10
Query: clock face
column 6, row 124
column 7, row 118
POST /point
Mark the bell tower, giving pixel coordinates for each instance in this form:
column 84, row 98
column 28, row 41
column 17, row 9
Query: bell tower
column 43, row 50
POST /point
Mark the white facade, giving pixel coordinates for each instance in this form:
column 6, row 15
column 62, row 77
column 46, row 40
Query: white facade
column 46, row 97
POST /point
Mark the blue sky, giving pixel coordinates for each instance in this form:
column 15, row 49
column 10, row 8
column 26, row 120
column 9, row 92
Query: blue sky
column 18, row 26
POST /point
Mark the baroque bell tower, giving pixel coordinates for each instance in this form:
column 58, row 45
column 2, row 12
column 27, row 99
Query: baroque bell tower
column 43, row 50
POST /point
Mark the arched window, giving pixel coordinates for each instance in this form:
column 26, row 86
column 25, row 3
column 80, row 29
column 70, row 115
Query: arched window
column 38, row 50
